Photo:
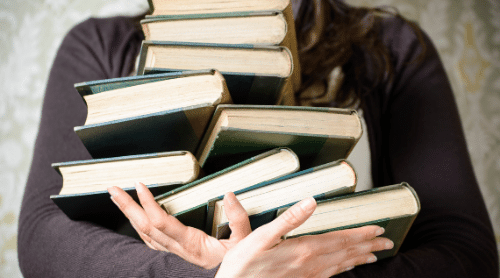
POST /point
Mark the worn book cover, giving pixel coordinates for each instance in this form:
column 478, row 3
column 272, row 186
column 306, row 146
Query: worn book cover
column 302, row 129
column 179, row 127
column 253, row 74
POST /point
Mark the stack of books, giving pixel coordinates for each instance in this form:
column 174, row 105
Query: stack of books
column 201, row 119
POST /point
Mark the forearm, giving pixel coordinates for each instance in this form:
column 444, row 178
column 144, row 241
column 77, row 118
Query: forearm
column 49, row 243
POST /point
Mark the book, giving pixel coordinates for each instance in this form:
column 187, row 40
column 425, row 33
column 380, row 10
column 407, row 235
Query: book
column 244, row 27
column 151, row 113
column 317, row 135
column 261, row 201
column 84, row 192
column 392, row 207
column 179, row 7
column 253, row 74
column 189, row 202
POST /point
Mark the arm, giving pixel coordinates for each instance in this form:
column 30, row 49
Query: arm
column 50, row 244
column 424, row 145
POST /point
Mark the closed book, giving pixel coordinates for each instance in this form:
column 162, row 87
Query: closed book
column 316, row 135
column 189, row 203
column 152, row 113
column 253, row 74
column 393, row 207
column 159, row 7
column 84, row 193
column 244, row 27
column 262, row 201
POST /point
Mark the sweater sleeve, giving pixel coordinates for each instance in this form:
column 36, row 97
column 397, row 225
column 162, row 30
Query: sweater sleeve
column 424, row 145
column 49, row 243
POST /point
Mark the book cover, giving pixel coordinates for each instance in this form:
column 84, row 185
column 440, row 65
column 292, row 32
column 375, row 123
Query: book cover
column 161, row 121
column 230, row 143
column 265, row 166
column 395, row 219
column 244, row 82
column 82, row 203
column 322, row 182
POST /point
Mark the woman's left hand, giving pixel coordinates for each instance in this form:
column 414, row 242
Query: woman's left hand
column 164, row 232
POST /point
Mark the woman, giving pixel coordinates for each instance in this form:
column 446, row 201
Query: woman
column 392, row 72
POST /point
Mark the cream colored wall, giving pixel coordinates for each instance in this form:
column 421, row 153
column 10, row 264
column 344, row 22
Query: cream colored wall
column 466, row 33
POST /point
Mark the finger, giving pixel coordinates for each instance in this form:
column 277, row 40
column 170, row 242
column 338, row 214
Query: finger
column 158, row 217
column 338, row 240
column 237, row 216
column 270, row 234
column 138, row 217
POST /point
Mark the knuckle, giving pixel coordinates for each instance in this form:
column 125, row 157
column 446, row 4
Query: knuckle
column 292, row 216
column 159, row 223
column 344, row 242
column 144, row 227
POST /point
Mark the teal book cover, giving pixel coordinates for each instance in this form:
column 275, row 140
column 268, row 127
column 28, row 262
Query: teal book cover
column 246, row 85
column 96, row 205
column 230, row 143
column 99, row 86
column 198, row 214
column 304, row 179
column 158, row 132
column 397, row 222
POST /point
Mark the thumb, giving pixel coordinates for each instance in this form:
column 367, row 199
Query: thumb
column 271, row 233
column 237, row 217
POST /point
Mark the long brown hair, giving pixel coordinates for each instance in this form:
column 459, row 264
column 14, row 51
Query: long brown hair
column 332, row 34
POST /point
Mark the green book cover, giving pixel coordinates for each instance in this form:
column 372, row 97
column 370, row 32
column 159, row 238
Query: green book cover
column 197, row 215
column 163, row 131
column 167, row 121
column 245, row 86
column 337, row 185
column 397, row 222
column 96, row 205
column 98, row 86
column 230, row 143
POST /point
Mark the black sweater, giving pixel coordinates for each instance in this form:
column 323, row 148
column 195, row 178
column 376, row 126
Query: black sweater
column 415, row 136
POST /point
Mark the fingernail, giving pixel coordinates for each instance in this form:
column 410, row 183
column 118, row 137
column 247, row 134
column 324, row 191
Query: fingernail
column 230, row 198
column 114, row 201
column 348, row 268
column 138, row 187
column 372, row 259
column 112, row 191
column 389, row 244
column 379, row 231
column 308, row 204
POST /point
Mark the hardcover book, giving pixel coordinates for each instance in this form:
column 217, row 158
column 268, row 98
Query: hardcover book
column 393, row 207
column 178, row 7
column 261, row 201
column 249, row 27
column 84, row 194
column 254, row 74
column 316, row 135
column 152, row 113
column 189, row 203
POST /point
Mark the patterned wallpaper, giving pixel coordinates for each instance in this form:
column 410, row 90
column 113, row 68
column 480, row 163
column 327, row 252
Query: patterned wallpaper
column 466, row 33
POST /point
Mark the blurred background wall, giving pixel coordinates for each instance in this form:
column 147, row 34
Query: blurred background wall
column 465, row 32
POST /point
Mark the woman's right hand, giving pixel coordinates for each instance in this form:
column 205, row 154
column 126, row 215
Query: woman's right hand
column 264, row 254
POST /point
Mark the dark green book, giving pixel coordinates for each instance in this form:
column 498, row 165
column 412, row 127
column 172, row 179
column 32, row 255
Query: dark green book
column 393, row 207
column 316, row 135
column 84, row 194
column 151, row 113
column 269, row 27
column 254, row 74
column 189, row 202
column 179, row 7
column 262, row 200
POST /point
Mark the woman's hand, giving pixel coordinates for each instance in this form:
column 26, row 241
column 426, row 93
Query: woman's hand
column 264, row 254
column 164, row 232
